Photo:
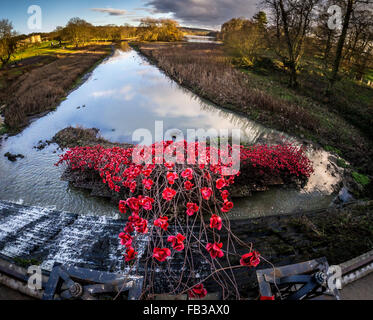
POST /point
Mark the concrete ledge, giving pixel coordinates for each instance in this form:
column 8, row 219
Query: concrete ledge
column 357, row 268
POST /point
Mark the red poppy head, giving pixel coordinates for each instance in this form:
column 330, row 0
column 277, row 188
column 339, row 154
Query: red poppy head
column 180, row 237
column 148, row 183
column 122, row 206
column 134, row 218
column 133, row 185
column 129, row 228
column 130, row 254
column 171, row 177
column 220, row 184
column 216, row 222
column 177, row 242
column 215, row 250
column 188, row 185
column 225, row 195
column 206, row 193
column 251, row 259
column 169, row 165
column 168, row 194
column 147, row 172
column 162, row 223
column 228, row 206
column 192, row 208
column 147, row 203
column 125, row 239
column 161, row 254
column 133, row 204
column 198, row 291
column 142, row 226
column 188, row 174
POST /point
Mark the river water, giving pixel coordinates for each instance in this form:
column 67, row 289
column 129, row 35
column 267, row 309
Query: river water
column 201, row 39
column 122, row 94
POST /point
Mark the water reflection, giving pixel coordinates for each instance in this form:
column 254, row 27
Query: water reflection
column 252, row 132
column 123, row 94
column 201, row 39
column 279, row 201
column 124, row 46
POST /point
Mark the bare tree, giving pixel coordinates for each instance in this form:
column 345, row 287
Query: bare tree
column 291, row 25
column 350, row 6
column 357, row 54
column 8, row 43
column 341, row 41
column 325, row 37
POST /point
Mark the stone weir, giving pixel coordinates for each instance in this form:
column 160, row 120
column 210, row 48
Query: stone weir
column 43, row 236
column 34, row 235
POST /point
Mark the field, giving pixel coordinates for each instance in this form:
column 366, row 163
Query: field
column 41, row 49
column 341, row 122
column 38, row 78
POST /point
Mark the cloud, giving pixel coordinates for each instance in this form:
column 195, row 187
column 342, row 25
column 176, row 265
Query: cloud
column 205, row 12
column 111, row 11
column 148, row 10
column 105, row 93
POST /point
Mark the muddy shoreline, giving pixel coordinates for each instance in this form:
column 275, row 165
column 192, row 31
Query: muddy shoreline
column 80, row 137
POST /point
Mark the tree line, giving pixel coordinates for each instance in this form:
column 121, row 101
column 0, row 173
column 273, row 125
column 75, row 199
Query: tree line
column 80, row 32
column 297, row 30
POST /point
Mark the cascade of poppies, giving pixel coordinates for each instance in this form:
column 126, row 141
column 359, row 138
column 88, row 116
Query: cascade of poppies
column 160, row 190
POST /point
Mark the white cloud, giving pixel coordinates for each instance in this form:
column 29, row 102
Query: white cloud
column 100, row 94
column 127, row 92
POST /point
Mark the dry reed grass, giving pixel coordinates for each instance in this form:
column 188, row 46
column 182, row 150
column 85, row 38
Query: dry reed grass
column 205, row 69
column 42, row 88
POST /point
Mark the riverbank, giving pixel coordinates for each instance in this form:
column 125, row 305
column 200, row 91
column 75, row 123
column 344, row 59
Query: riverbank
column 36, row 85
column 206, row 70
column 80, row 137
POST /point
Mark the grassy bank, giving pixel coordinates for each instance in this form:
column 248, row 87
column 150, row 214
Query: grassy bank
column 41, row 49
column 262, row 95
column 42, row 78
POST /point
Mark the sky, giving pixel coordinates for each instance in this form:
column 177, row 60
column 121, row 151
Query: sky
column 192, row 13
